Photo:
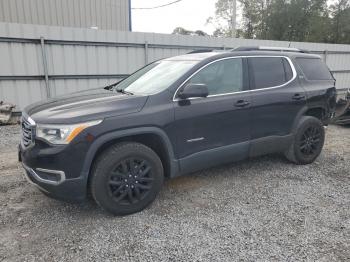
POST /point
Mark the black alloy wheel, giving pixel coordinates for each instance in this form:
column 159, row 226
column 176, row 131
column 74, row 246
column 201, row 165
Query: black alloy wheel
column 130, row 181
column 309, row 136
column 310, row 141
column 126, row 178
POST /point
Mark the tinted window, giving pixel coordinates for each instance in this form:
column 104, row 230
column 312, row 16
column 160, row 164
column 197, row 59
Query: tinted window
column 269, row 71
column 314, row 69
column 225, row 76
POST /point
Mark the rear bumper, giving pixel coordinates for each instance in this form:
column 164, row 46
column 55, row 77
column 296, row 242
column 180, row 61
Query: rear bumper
column 342, row 113
column 343, row 121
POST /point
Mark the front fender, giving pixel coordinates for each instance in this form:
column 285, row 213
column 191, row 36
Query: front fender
column 100, row 141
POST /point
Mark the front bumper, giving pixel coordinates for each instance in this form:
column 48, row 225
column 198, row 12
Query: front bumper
column 54, row 183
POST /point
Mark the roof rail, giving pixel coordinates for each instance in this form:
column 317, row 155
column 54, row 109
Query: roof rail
column 269, row 48
column 207, row 51
column 200, row 51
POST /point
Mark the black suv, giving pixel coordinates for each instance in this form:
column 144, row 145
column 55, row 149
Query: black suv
column 173, row 117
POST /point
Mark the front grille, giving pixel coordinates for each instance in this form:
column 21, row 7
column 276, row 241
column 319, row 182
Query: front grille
column 28, row 129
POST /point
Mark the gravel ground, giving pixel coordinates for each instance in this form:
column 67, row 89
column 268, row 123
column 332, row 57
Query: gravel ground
column 265, row 209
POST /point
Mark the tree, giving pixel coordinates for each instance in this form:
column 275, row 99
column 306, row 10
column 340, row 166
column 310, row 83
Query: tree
column 225, row 18
column 200, row 33
column 227, row 11
column 255, row 17
column 219, row 33
column 308, row 20
column 183, row 31
column 340, row 25
column 287, row 20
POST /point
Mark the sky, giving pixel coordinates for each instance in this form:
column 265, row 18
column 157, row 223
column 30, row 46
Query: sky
column 189, row 14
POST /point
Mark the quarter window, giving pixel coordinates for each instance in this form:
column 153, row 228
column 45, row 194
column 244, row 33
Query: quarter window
column 221, row 77
column 314, row 69
column 270, row 71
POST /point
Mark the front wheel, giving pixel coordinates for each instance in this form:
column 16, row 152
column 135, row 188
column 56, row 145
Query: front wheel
column 126, row 178
column 308, row 141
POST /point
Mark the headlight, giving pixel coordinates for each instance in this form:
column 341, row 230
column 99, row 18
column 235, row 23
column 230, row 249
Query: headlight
column 62, row 134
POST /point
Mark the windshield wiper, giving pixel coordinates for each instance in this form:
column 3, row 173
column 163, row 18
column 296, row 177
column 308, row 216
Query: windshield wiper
column 109, row 87
column 119, row 90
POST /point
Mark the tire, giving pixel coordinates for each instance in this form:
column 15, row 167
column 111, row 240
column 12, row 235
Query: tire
column 308, row 141
column 126, row 178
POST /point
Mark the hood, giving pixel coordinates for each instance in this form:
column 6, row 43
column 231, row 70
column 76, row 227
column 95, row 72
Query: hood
column 84, row 106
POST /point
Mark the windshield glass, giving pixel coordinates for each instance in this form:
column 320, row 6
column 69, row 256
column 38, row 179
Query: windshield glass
column 154, row 77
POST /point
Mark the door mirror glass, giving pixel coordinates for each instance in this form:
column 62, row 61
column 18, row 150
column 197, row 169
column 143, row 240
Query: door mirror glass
column 194, row 90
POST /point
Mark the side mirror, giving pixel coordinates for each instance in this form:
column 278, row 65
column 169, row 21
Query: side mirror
column 194, row 90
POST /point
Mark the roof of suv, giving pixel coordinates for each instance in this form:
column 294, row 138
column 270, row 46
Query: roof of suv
column 223, row 54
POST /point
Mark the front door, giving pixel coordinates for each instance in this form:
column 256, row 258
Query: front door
column 214, row 129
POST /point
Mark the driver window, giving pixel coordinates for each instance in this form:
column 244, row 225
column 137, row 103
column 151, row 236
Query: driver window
column 225, row 76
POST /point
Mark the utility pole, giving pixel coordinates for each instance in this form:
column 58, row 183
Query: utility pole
column 234, row 18
column 130, row 17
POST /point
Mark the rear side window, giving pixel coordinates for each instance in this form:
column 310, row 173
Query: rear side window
column 314, row 69
column 270, row 71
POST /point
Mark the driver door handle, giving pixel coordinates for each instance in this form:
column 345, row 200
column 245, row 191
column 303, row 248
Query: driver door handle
column 242, row 103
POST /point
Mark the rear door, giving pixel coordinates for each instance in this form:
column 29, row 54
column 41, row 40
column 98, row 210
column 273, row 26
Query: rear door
column 277, row 98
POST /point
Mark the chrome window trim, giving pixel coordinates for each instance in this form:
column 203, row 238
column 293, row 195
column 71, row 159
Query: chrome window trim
column 239, row 92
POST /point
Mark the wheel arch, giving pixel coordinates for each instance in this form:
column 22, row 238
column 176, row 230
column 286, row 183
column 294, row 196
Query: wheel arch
column 153, row 137
column 316, row 111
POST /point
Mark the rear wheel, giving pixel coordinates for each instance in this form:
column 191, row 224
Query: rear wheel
column 126, row 178
column 308, row 141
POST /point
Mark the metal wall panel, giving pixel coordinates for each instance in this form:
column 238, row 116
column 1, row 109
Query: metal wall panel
column 339, row 61
column 64, row 86
column 105, row 14
column 79, row 59
column 343, row 80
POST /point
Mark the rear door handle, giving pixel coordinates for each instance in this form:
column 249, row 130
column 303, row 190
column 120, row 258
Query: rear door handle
column 298, row 97
column 242, row 103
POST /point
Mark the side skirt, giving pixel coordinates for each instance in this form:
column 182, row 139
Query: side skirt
column 270, row 144
column 214, row 157
column 232, row 153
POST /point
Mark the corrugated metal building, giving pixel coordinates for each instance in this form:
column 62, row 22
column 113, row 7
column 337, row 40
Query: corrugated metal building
column 101, row 14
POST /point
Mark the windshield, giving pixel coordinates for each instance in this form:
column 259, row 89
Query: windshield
column 154, row 77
